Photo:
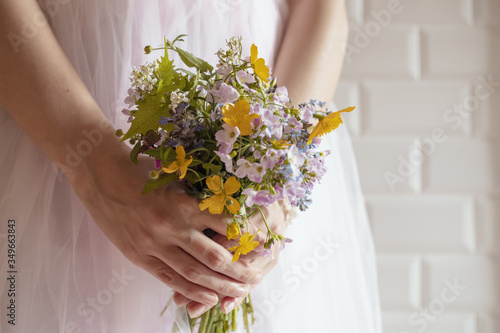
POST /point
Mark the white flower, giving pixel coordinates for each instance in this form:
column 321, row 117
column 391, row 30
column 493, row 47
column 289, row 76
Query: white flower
column 176, row 97
column 143, row 78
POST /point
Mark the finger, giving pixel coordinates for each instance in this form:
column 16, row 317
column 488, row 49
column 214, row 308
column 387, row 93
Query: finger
column 180, row 299
column 195, row 272
column 177, row 282
column 218, row 259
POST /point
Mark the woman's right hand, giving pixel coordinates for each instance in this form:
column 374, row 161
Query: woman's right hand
column 162, row 231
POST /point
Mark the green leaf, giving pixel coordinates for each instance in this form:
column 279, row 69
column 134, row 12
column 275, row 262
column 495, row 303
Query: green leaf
column 134, row 153
column 165, row 67
column 192, row 61
column 162, row 180
column 150, row 111
column 210, row 167
column 156, row 153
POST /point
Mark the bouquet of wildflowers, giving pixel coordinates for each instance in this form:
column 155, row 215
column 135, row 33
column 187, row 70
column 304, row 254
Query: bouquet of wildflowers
column 231, row 135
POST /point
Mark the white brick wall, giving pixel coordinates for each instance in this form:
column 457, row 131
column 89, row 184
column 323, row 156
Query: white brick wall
column 427, row 138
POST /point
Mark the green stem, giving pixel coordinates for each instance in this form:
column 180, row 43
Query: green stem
column 204, row 322
column 264, row 218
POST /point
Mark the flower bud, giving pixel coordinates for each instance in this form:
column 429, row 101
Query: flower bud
column 148, row 49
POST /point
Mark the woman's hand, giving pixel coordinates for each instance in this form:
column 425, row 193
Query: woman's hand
column 162, row 231
column 276, row 217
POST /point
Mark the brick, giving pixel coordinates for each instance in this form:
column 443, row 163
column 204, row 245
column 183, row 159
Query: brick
column 384, row 53
column 347, row 94
column 411, row 108
column 410, row 322
column 486, row 118
column 419, row 12
column 355, row 11
column 399, row 279
column 489, row 322
column 458, row 52
column 379, row 161
column 487, row 12
column 462, row 165
column 445, row 276
column 487, row 224
column 422, row 224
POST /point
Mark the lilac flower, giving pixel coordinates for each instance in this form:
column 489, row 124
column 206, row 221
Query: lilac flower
column 244, row 166
column 227, row 160
column 225, row 148
column 293, row 190
column 243, row 77
column 256, row 172
column 306, row 113
column 258, row 197
column 283, row 242
column 270, row 159
column 127, row 112
column 227, row 135
column 269, row 118
column 224, row 69
column 296, row 160
column 293, row 125
column 281, row 95
column 222, row 93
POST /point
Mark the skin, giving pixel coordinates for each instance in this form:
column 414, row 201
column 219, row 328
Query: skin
column 165, row 241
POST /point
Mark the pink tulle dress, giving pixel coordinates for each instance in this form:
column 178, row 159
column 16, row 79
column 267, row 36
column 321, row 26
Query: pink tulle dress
column 70, row 278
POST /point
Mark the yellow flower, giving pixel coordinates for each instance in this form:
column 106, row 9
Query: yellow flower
column 181, row 164
column 328, row 124
column 222, row 196
column 259, row 64
column 238, row 115
column 278, row 144
column 233, row 231
column 247, row 245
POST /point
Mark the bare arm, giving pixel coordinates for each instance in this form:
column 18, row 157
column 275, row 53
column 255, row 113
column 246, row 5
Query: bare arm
column 310, row 59
column 44, row 95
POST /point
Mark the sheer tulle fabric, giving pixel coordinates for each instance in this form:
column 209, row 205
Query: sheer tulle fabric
column 70, row 278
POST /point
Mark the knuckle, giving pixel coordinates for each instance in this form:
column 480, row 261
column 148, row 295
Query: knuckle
column 191, row 273
column 216, row 260
column 166, row 276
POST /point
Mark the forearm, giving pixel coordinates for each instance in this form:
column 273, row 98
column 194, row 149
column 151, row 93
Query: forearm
column 311, row 55
column 42, row 92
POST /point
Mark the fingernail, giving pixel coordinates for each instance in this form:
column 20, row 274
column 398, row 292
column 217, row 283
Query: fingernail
column 229, row 306
column 196, row 310
column 241, row 291
column 210, row 299
column 258, row 278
